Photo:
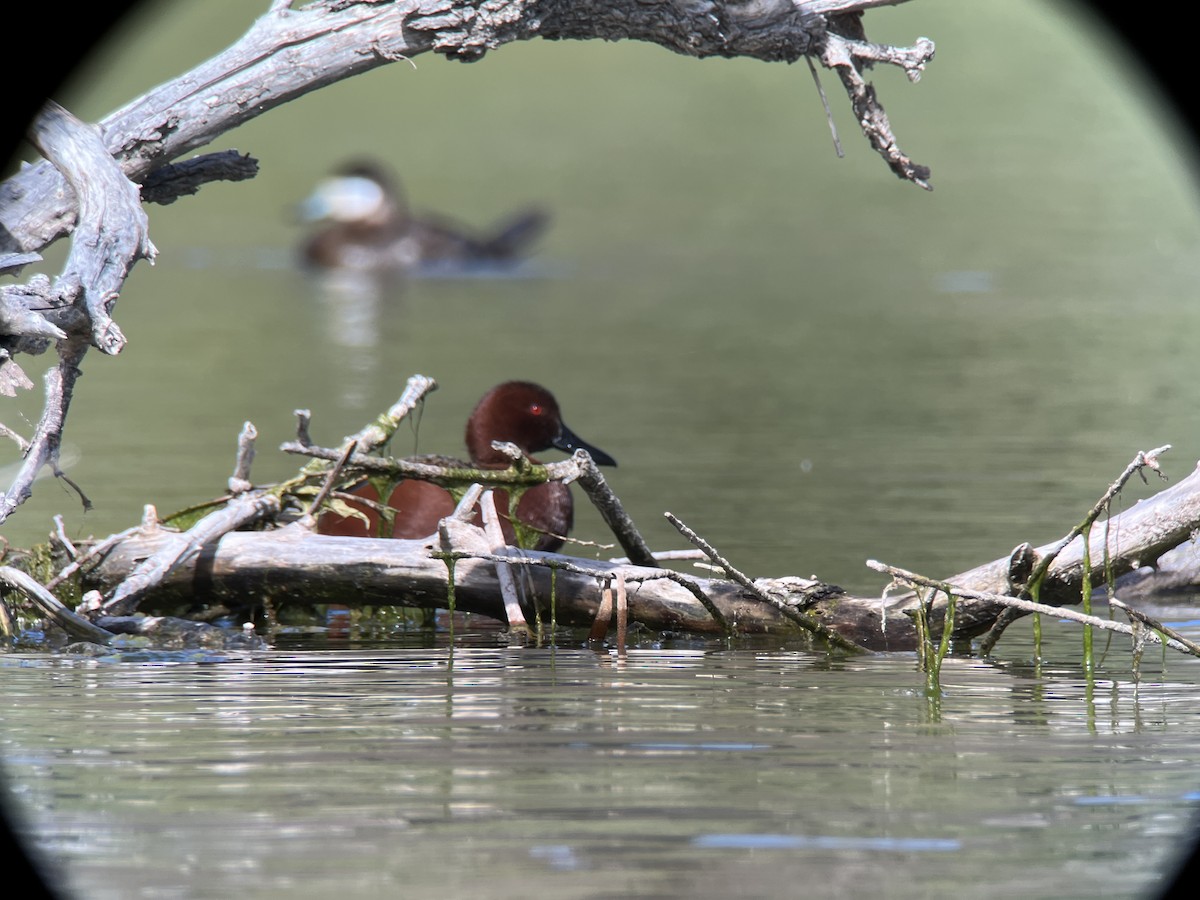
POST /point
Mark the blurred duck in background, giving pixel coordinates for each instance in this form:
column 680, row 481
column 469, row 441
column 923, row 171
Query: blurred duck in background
column 368, row 227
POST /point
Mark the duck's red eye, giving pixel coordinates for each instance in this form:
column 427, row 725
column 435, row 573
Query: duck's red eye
column 536, row 409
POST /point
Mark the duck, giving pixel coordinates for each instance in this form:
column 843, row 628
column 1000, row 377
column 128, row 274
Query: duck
column 520, row 412
column 366, row 226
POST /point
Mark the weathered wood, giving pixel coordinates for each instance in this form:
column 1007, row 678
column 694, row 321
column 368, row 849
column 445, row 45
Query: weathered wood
column 50, row 606
column 294, row 564
column 76, row 310
column 1136, row 538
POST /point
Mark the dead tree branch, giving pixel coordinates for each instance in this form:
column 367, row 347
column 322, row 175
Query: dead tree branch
column 215, row 562
column 110, row 236
column 1032, row 580
column 1028, row 607
column 167, row 184
column 50, row 606
column 179, row 548
column 289, row 52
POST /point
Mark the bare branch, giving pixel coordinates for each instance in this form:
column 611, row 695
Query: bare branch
column 844, row 55
column 111, row 233
column 594, row 485
column 1025, row 606
column 181, row 548
column 804, row 621
column 73, row 624
column 47, row 437
column 508, row 586
column 239, row 481
column 166, row 185
column 1144, row 459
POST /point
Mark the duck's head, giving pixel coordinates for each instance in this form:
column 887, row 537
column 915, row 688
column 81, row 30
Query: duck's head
column 525, row 414
column 359, row 192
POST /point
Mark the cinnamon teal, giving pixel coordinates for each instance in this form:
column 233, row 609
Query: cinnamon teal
column 521, row 412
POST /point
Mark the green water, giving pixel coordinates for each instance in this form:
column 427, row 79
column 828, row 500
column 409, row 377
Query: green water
column 808, row 361
column 673, row 772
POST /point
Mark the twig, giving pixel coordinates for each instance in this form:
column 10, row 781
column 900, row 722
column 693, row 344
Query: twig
column 622, row 614
column 239, row 481
column 1028, row 606
column 303, row 419
column 508, row 585
column 1139, row 616
column 513, row 557
column 381, row 430
column 241, row 510
column 808, row 623
column 366, row 440
column 465, row 510
column 60, row 533
column 310, row 515
column 603, row 613
column 47, row 436
column 664, row 556
column 831, row 7
column 445, row 476
column 833, row 132
column 1143, row 459
column 62, row 476
column 93, row 552
column 7, row 432
column 842, row 54
column 610, row 508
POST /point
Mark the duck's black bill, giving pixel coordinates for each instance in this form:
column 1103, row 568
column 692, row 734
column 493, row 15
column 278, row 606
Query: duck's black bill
column 568, row 441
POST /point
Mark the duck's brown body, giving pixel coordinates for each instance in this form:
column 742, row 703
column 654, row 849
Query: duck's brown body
column 519, row 412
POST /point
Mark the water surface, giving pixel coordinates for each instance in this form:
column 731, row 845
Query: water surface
column 672, row 771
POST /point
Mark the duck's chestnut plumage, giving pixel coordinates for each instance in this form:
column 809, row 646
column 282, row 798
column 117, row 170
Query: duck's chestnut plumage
column 519, row 412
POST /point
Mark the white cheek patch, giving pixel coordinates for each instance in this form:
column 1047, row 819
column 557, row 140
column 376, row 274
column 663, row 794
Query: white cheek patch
column 346, row 199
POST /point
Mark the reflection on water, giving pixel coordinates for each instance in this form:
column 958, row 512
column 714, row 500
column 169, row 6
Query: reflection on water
column 351, row 302
column 354, row 304
column 496, row 772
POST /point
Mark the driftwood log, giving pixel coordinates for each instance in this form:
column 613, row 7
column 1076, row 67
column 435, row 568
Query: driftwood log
column 292, row 563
